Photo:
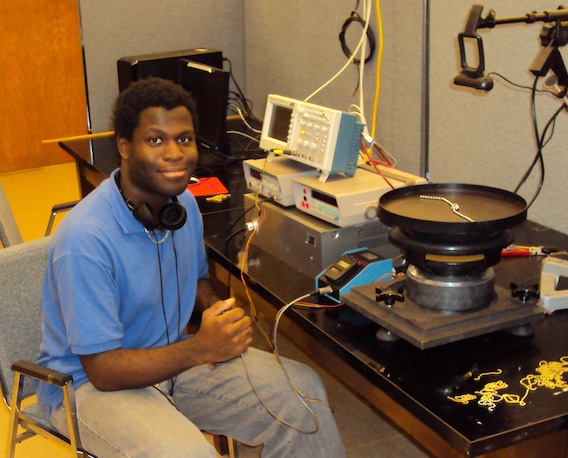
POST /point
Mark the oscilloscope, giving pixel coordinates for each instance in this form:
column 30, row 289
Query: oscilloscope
column 320, row 137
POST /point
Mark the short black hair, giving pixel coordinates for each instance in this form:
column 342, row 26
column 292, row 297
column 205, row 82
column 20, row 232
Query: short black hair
column 148, row 93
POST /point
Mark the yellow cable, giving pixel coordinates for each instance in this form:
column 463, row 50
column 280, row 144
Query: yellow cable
column 379, row 64
column 79, row 137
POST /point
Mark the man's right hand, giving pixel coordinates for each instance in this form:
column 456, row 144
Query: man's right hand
column 225, row 331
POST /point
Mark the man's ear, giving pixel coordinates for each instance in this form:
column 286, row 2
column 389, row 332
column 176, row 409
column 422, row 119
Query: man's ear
column 123, row 146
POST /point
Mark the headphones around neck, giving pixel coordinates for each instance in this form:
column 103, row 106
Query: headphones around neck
column 172, row 216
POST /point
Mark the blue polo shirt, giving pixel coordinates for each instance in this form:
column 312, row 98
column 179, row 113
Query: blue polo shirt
column 108, row 285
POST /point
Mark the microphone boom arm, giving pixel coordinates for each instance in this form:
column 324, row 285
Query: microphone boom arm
column 490, row 21
column 549, row 58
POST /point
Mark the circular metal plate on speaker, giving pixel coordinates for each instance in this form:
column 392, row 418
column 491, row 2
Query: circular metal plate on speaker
column 452, row 209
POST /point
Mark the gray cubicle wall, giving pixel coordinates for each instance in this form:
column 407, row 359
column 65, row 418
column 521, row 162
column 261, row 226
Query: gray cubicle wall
column 292, row 47
column 487, row 138
column 112, row 29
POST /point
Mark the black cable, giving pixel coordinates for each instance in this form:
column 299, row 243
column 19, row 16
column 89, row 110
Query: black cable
column 237, row 249
column 228, row 240
column 537, row 138
column 357, row 83
column 247, row 210
column 224, row 210
column 239, row 246
column 245, row 102
column 162, row 288
column 173, row 380
column 369, row 35
column 541, row 141
column 538, row 156
column 168, row 398
column 246, row 145
column 233, row 234
column 178, row 287
column 520, row 86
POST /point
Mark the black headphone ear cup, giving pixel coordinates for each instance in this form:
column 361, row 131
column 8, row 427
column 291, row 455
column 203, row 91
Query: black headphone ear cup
column 173, row 215
column 143, row 213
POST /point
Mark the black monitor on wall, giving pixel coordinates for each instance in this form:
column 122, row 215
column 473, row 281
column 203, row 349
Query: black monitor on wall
column 209, row 86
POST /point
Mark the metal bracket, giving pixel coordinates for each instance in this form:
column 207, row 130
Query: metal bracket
column 551, row 298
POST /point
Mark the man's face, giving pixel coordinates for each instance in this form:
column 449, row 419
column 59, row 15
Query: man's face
column 162, row 155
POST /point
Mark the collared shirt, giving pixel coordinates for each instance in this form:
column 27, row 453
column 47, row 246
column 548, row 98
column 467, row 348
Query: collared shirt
column 109, row 285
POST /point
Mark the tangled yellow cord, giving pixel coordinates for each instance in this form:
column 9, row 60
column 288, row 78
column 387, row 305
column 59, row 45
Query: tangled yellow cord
column 549, row 374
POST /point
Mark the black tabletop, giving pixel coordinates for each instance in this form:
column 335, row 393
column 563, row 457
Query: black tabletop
column 423, row 381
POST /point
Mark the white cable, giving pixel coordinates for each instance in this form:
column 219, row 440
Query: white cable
column 242, row 134
column 301, row 398
column 361, row 66
column 361, row 41
column 274, row 415
column 243, row 118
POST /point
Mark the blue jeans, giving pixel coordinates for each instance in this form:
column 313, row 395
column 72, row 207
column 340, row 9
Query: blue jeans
column 148, row 422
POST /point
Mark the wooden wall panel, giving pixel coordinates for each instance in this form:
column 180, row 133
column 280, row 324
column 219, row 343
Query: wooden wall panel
column 42, row 88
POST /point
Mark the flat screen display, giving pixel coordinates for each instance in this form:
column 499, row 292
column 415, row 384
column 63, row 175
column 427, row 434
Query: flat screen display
column 280, row 123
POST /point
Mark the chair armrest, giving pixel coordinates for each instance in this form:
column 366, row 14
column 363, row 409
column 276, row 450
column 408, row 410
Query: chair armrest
column 44, row 374
column 64, row 206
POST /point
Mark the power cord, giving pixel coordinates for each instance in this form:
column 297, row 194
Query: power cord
column 541, row 142
column 303, row 399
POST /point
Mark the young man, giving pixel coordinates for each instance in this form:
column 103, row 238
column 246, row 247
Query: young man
column 126, row 270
